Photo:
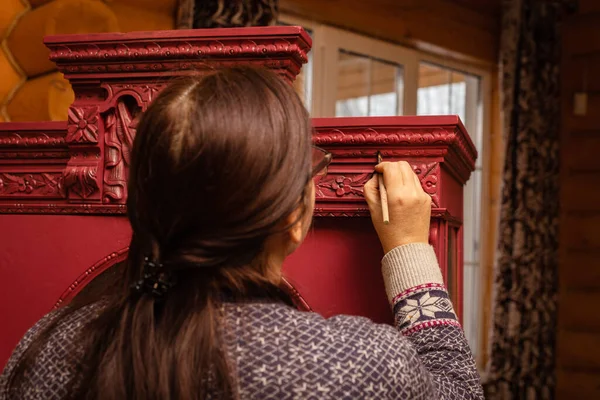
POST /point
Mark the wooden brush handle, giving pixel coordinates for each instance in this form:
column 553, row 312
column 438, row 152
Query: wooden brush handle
column 384, row 201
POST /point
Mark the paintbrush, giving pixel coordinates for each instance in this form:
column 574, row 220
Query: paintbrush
column 383, row 194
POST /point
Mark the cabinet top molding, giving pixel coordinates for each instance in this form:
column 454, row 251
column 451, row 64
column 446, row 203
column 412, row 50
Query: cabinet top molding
column 177, row 52
column 405, row 136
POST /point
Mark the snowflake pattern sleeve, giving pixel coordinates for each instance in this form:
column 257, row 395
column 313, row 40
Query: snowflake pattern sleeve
column 424, row 314
column 415, row 288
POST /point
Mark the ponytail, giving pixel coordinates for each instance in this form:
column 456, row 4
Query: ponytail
column 166, row 346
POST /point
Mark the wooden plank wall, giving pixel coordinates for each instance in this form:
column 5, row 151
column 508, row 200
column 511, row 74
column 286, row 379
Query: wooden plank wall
column 456, row 29
column 578, row 354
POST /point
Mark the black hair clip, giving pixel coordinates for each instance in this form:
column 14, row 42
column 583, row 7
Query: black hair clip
column 155, row 280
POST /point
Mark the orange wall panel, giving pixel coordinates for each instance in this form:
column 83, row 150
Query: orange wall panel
column 57, row 17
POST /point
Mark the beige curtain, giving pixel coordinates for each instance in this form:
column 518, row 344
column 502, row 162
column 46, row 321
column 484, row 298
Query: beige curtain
column 522, row 354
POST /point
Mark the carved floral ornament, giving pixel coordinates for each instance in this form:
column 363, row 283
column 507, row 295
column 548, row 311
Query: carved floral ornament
column 350, row 185
column 83, row 125
column 32, row 185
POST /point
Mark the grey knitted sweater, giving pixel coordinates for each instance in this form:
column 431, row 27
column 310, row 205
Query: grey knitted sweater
column 281, row 353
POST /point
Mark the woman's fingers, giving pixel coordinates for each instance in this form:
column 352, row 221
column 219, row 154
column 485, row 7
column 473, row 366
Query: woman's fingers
column 409, row 206
column 407, row 173
column 393, row 177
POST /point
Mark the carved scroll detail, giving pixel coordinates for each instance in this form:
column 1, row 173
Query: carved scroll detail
column 31, row 185
column 428, row 176
column 81, row 180
column 83, row 125
column 118, row 140
column 337, row 185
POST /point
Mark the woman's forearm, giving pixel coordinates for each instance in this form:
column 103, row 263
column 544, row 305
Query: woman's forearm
column 424, row 314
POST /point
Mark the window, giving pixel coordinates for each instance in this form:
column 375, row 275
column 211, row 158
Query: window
column 443, row 90
column 354, row 75
column 368, row 87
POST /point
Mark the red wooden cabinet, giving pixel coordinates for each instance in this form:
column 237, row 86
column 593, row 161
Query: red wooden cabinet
column 337, row 269
column 63, row 184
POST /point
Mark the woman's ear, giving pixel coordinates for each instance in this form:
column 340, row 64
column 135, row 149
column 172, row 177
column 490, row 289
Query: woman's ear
column 301, row 219
column 296, row 231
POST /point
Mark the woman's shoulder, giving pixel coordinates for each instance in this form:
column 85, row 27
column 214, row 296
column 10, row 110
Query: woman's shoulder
column 278, row 316
column 57, row 352
column 344, row 355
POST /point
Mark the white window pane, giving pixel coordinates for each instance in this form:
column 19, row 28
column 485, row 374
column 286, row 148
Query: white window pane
column 457, row 98
column 384, row 89
column 475, row 214
column 368, row 87
column 433, row 95
column 308, row 82
column 383, row 105
column 352, row 107
column 474, row 113
column 471, row 306
column 354, row 80
column 469, row 230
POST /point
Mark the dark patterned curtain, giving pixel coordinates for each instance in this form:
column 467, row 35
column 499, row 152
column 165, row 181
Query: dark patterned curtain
column 522, row 354
column 226, row 13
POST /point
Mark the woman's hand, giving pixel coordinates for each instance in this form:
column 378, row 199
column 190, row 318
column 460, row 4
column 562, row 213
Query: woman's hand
column 409, row 206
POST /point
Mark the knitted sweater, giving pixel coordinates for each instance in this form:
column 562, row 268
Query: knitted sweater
column 278, row 352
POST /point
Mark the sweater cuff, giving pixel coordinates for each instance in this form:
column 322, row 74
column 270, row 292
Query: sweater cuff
column 408, row 266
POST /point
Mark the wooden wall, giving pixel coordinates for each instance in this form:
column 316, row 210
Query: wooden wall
column 461, row 29
column 578, row 361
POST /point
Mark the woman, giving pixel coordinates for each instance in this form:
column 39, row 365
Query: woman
column 220, row 192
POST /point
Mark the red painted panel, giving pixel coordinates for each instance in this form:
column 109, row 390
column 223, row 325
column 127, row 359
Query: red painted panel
column 40, row 257
column 451, row 193
column 338, row 269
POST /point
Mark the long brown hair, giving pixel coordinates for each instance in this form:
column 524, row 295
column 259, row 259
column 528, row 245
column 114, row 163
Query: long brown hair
column 218, row 163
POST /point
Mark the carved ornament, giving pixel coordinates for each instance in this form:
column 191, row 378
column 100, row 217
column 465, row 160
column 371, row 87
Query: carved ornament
column 26, row 185
column 81, row 180
column 118, row 140
column 82, row 125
